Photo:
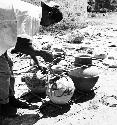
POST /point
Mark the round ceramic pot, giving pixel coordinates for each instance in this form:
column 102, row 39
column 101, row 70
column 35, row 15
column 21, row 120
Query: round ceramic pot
column 58, row 54
column 57, row 69
column 84, row 78
column 83, row 60
column 61, row 90
column 35, row 84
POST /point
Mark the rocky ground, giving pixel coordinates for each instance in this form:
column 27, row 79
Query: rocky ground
column 99, row 107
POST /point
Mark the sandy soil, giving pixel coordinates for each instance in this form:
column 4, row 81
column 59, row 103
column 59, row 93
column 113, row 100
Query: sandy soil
column 98, row 107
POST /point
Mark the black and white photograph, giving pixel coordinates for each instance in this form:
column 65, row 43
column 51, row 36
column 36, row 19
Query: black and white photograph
column 58, row 62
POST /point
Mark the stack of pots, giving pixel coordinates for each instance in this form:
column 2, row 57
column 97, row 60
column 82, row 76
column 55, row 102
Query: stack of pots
column 84, row 75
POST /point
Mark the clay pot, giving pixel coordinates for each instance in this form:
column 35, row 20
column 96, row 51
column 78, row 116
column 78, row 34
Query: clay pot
column 60, row 90
column 35, row 83
column 57, row 69
column 83, row 60
column 84, row 77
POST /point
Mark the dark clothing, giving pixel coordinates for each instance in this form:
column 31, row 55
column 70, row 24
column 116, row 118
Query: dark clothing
column 6, row 74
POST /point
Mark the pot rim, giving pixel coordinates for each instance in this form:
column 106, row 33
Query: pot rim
column 96, row 76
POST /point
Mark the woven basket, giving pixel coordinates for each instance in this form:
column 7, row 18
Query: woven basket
column 35, row 84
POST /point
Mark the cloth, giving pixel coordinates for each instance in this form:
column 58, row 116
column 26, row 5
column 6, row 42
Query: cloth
column 16, row 19
column 12, row 78
column 7, row 79
column 8, row 26
column 4, row 80
column 28, row 17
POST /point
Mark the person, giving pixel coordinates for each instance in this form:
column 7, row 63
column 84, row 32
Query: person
column 16, row 19
column 47, row 15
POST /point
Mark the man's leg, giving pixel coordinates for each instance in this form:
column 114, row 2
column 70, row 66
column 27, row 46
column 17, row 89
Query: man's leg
column 4, row 88
column 4, row 80
column 12, row 100
column 6, row 109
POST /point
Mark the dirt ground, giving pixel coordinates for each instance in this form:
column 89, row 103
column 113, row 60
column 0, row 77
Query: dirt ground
column 98, row 107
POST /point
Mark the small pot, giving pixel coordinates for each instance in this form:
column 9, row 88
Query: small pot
column 83, row 60
column 57, row 69
column 59, row 54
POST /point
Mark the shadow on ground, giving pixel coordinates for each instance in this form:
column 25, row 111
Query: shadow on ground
column 26, row 119
column 50, row 109
column 80, row 97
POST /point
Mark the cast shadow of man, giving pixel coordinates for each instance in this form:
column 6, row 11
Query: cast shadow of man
column 21, row 120
column 50, row 109
column 47, row 108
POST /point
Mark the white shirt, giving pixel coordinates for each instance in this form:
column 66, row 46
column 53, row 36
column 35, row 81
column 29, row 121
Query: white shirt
column 16, row 19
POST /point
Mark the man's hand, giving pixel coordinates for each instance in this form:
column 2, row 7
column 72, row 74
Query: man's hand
column 48, row 57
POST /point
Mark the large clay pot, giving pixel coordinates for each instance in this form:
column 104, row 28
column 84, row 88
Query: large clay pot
column 84, row 77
